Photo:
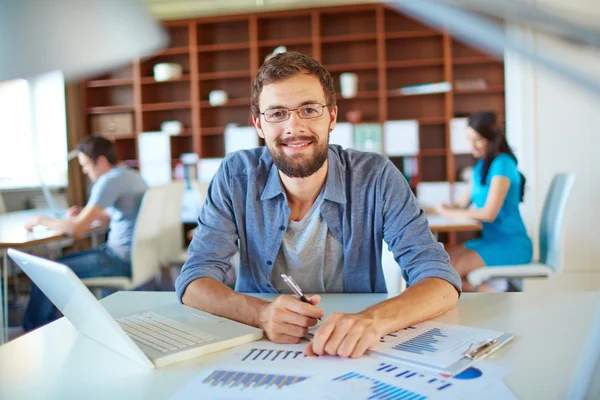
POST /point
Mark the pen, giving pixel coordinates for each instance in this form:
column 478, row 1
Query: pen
column 295, row 288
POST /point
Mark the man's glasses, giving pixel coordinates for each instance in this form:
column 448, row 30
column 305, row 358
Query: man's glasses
column 307, row 111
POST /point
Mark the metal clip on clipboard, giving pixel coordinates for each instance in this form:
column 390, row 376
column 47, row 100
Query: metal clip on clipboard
column 476, row 351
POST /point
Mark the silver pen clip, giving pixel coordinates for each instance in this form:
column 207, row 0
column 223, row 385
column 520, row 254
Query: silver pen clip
column 292, row 285
column 477, row 350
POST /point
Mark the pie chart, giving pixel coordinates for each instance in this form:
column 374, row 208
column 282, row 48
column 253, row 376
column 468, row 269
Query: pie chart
column 469, row 373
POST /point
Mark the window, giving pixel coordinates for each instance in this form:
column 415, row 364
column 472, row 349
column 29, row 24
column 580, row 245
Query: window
column 33, row 132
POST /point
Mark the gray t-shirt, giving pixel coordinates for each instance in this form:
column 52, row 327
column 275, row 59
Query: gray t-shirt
column 119, row 191
column 311, row 255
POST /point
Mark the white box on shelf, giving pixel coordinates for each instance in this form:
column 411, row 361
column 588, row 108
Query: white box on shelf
column 240, row 138
column 401, row 138
column 458, row 136
column 431, row 194
column 342, row 135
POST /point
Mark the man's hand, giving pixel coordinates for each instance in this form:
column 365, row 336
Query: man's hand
column 345, row 335
column 287, row 319
column 72, row 212
column 32, row 222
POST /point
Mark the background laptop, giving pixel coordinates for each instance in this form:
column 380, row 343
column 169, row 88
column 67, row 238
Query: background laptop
column 154, row 338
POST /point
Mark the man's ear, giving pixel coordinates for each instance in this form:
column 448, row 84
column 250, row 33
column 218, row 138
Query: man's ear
column 332, row 117
column 257, row 123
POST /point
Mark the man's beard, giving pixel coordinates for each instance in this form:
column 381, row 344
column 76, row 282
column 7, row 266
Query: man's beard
column 298, row 167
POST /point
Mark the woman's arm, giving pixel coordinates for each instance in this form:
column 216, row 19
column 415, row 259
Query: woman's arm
column 488, row 213
column 464, row 200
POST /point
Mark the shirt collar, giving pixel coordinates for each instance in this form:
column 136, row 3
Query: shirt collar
column 335, row 186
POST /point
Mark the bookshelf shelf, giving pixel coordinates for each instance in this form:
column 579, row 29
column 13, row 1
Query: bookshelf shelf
column 150, row 80
column 109, row 109
column 349, row 38
column 175, row 105
column 230, row 103
column 225, row 75
column 110, row 82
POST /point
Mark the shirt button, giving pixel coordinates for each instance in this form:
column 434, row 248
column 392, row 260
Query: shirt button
column 282, row 228
column 269, row 262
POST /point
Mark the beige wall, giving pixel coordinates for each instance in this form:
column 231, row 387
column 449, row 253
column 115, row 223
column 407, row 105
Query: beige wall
column 555, row 127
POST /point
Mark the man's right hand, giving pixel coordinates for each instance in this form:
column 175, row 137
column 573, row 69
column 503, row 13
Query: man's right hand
column 287, row 319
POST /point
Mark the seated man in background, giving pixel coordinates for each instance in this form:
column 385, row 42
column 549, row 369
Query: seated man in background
column 318, row 213
column 115, row 196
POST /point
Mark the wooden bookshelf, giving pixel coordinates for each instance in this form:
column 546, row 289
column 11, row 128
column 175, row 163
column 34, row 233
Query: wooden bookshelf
column 387, row 50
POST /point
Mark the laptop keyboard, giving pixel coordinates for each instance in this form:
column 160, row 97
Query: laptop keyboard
column 161, row 333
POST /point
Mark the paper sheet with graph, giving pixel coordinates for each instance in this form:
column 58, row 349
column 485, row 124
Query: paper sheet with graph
column 433, row 344
column 265, row 370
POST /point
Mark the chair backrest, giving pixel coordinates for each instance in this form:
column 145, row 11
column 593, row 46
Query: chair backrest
column 551, row 222
column 2, row 206
column 146, row 248
column 171, row 228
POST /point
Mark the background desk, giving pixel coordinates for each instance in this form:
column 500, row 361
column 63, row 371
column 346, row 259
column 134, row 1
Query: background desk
column 551, row 351
column 13, row 234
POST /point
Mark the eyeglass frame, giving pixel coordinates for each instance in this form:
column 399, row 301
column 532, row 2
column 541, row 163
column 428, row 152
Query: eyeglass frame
column 289, row 114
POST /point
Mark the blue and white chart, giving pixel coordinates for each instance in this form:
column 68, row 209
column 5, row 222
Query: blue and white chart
column 265, row 370
column 433, row 344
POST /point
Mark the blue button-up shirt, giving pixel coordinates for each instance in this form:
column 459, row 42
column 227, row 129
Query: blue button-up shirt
column 366, row 201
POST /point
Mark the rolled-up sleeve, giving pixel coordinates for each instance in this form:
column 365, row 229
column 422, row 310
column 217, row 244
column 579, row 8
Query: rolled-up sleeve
column 214, row 242
column 407, row 233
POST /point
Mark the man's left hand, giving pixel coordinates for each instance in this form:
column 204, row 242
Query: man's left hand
column 345, row 335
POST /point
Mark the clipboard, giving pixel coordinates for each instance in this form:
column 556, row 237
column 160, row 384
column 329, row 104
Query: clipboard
column 462, row 346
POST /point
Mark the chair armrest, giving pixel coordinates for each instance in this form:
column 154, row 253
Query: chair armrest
column 534, row 270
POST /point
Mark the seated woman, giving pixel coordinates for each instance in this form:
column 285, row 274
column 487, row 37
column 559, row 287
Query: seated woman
column 494, row 194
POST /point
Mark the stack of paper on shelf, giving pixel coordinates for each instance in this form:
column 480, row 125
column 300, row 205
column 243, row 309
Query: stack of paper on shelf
column 342, row 135
column 240, row 138
column 207, row 168
column 431, row 194
column 458, row 136
column 401, row 138
column 154, row 153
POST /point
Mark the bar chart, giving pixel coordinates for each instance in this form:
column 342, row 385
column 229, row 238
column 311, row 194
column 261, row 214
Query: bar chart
column 381, row 390
column 408, row 375
column 245, row 380
column 272, row 355
column 423, row 343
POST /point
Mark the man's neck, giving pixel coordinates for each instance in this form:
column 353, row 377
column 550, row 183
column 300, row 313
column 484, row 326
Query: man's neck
column 302, row 192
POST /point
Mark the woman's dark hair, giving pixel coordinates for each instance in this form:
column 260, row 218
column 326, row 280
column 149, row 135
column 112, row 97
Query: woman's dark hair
column 485, row 124
column 95, row 146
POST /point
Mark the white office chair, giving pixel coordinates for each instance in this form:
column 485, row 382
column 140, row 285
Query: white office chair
column 146, row 247
column 394, row 281
column 2, row 206
column 175, row 254
column 550, row 236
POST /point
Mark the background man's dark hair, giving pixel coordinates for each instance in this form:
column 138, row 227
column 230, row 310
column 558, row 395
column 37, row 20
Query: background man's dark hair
column 95, row 146
column 284, row 66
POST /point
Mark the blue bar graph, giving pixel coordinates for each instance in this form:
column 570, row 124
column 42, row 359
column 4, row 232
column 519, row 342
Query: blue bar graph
column 233, row 379
column 424, row 343
column 272, row 355
column 401, row 373
column 381, row 390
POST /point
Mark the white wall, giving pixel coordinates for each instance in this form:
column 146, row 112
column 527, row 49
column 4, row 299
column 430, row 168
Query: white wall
column 555, row 127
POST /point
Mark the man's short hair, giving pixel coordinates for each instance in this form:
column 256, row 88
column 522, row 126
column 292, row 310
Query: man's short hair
column 284, row 66
column 95, row 146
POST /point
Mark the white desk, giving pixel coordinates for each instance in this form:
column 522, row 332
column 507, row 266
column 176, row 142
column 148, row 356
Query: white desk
column 555, row 333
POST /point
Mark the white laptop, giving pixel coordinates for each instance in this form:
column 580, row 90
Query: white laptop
column 154, row 338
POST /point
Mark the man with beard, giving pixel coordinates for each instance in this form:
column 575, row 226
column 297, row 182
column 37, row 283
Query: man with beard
column 318, row 213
